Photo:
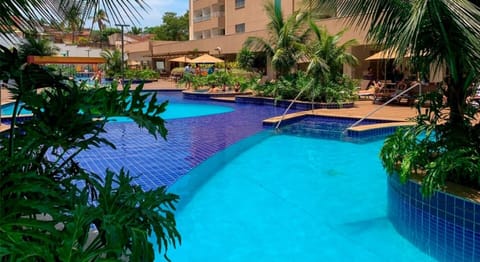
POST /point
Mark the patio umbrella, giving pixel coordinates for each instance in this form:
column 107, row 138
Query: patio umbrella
column 383, row 55
column 386, row 54
column 206, row 59
column 181, row 59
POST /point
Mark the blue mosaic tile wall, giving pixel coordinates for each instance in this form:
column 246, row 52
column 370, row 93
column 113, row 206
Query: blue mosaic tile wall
column 286, row 103
column 190, row 141
column 333, row 128
column 444, row 226
column 372, row 134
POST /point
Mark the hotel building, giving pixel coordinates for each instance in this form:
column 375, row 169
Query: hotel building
column 220, row 27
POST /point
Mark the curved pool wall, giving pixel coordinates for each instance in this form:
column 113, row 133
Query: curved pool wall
column 300, row 105
column 444, row 226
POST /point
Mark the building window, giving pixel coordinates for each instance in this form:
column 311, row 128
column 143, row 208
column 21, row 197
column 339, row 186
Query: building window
column 240, row 28
column 239, row 3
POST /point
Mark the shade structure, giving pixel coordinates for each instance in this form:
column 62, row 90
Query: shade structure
column 134, row 63
column 386, row 54
column 181, row 59
column 64, row 60
column 206, row 59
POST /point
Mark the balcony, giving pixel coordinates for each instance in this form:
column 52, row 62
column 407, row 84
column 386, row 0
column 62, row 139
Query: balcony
column 199, row 19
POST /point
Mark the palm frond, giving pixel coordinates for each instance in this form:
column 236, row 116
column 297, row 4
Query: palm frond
column 24, row 15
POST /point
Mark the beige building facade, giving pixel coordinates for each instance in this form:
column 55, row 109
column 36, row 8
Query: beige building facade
column 220, row 27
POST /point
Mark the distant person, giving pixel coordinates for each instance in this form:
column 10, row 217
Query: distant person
column 236, row 88
column 375, row 85
column 188, row 69
column 211, row 69
column 98, row 76
column 187, row 76
column 213, row 89
column 198, row 71
column 370, row 75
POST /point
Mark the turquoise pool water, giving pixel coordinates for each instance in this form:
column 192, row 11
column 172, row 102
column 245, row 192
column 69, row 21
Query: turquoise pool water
column 174, row 111
column 288, row 198
column 7, row 110
column 183, row 110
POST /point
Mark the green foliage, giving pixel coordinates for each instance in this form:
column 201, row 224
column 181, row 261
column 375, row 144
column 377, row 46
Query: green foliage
column 113, row 64
column 136, row 30
column 27, row 15
column 37, row 47
column 287, row 37
column 434, row 150
column 48, row 201
column 220, row 78
column 110, row 31
column 174, row 28
column 327, row 56
column 444, row 145
column 146, row 74
column 343, row 89
column 177, row 71
column 245, row 59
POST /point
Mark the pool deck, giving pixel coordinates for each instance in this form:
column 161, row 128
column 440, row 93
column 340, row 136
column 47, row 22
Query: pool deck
column 398, row 113
column 361, row 108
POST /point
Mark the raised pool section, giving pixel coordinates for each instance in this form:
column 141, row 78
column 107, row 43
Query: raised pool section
column 444, row 226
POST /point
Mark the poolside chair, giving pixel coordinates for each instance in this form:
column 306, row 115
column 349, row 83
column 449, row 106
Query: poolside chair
column 366, row 94
column 384, row 93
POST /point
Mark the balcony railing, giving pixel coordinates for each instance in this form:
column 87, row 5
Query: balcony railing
column 199, row 19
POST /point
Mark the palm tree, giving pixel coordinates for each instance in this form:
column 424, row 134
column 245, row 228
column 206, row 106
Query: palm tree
column 22, row 15
column 327, row 56
column 73, row 20
column 286, row 38
column 136, row 30
column 113, row 62
column 100, row 18
column 435, row 33
column 37, row 46
column 36, row 178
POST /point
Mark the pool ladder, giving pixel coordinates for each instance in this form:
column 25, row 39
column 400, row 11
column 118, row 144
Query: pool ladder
column 288, row 108
column 384, row 104
column 363, row 118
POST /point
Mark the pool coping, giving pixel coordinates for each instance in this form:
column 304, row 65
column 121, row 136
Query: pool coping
column 392, row 122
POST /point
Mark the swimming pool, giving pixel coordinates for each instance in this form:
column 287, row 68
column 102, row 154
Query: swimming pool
column 250, row 194
column 175, row 110
column 253, row 195
column 289, row 198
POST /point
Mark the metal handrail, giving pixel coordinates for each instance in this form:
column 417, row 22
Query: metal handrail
column 288, row 108
column 383, row 105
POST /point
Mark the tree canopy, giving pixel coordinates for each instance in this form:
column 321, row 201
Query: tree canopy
column 173, row 28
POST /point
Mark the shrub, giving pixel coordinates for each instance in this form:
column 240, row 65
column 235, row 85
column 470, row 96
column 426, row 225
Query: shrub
column 49, row 203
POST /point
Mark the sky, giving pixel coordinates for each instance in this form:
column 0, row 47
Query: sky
column 158, row 8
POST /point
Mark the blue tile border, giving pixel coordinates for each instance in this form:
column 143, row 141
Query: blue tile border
column 204, row 95
column 444, row 226
column 300, row 105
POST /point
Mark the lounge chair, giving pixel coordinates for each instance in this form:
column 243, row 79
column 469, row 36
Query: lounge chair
column 366, row 94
